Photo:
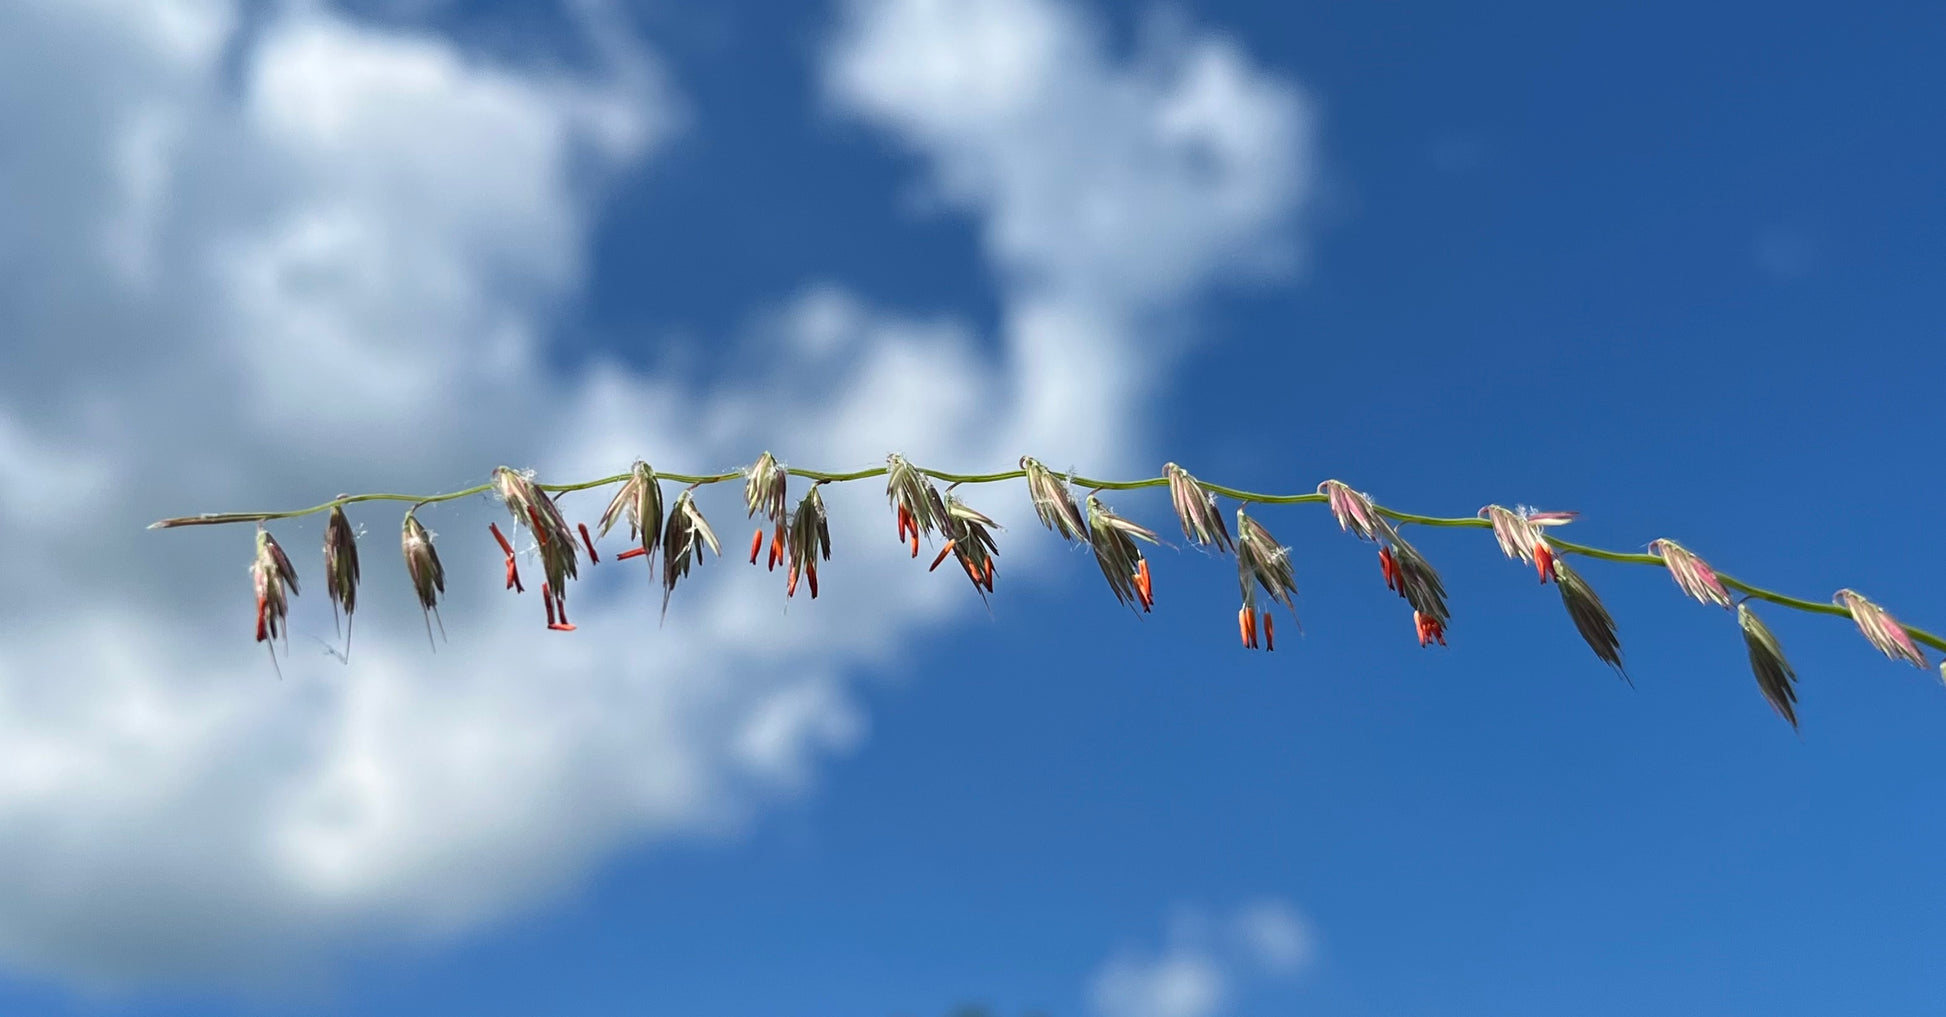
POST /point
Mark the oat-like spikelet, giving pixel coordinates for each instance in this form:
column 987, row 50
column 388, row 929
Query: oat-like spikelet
column 683, row 541
column 1880, row 628
column 640, row 501
column 1775, row 676
column 1590, row 617
column 1113, row 540
column 809, row 540
column 532, row 508
column 969, row 538
column 914, row 499
column 1263, row 562
column 1052, row 501
column 1519, row 530
column 1196, row 508
column 422, row 565
column 1417, row 581
column 341, row 569
column 275, row 579
column 1692, row 574
column 1354, row 510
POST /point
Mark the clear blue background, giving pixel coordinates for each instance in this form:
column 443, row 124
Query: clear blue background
column 1540, row 277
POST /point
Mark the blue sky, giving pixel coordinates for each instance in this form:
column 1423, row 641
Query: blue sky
column 1672, row 268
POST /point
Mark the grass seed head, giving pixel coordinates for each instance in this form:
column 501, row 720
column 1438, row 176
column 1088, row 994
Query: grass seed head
column 1590, row 617
column 340, row 562
column 422, row 566
column 1263, row 563
column 763, row 488
column 1775, row 676
column 1692, row 574
column 1196, row 509
column 1052, row 501
column 1355, row 511
column 640, row 502
column 275, row 580
column 1113, row 540
column 683, row 541
column 1880, row 628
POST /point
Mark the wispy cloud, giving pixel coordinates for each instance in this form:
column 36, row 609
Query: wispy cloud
column 1206, row 963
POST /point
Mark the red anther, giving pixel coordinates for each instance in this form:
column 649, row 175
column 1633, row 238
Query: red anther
column 1247, row 626
column 811, row 574
column 547, row 598
column 989, row 575
column 562, row 627
column 943, row 552
column 263, row 628
column 756, row 544
column 497, row 535
column 633, row 552
column 915, row 541
column 1388, row 565
column 540, row 532
column 1270, row 635
column 777, row 547
column 1429, row 628
column 1544, row 561
column 790, row 588
column 590, row 541
column 513, row 576
column 905, row 522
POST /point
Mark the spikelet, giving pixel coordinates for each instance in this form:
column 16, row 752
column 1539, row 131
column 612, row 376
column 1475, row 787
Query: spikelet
column 1196, row 509
column 809, row 541
column 1052, row 501
column 1590, row 617
column 422, row 565
column 1263, row 563
column 640, row 502
column 969, row 538
column 1113, row 540
column 1418, row 582
column 1692, row 574
column 531, row 507
column 341, row 569
column 913, row 499
column 275, row 580
column 1775, row 676
column 683, row 541
column 1354, row 510
column 1880, row 628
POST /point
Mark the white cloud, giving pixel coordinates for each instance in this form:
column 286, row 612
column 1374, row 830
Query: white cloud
column 338, row 268
column 1197, row 973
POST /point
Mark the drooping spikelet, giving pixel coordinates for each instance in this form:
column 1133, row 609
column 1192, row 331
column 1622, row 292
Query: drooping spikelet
column 683, row 541
column 1113, row 540
column 809, row 540
column 969, row 538
column 1264, row 563
column 1354, row 510
column 341, row 569
column 1052, row 501
column 1880, row 628
column 1590, row 617
column 1775, row 676
column 1196, row 509
column 422, row 565
column 531, row 507
column 275, row 580
column 1692, row 574
column 640, row 501
column 913, row 499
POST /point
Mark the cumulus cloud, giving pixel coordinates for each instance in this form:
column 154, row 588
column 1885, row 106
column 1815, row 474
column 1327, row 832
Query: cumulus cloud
column 1206, row 963
column 253, row 265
